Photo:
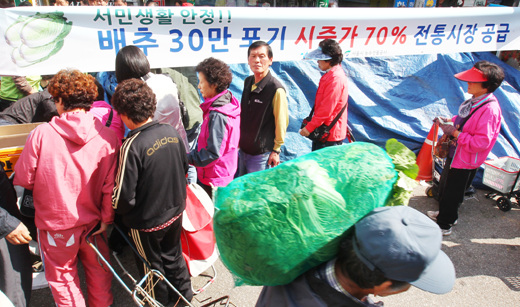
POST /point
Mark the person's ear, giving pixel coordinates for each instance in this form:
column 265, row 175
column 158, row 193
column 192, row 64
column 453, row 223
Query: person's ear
column 386, row 288
column 383, row 288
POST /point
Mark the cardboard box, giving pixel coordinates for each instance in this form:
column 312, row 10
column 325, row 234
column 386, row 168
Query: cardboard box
column 12, row 141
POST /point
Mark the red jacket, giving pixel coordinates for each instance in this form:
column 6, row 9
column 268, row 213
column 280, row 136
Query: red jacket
column 332, row 95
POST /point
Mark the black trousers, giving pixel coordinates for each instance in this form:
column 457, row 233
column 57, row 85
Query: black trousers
column 15, row 272
column 206, row 188
column 319, row 145
column 453, row 184
column 162, row 250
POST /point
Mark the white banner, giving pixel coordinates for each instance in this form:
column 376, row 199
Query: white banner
column 88, row 38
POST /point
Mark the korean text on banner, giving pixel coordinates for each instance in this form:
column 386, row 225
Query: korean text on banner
column 88, row 38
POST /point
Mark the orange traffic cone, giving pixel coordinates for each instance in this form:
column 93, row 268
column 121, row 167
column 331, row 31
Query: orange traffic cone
column 425, row 157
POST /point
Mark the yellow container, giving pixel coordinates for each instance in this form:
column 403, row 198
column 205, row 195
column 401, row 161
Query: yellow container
column 9, row 156
column 12, row 141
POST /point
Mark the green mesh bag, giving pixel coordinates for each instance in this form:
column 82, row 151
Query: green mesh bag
column 274, row 225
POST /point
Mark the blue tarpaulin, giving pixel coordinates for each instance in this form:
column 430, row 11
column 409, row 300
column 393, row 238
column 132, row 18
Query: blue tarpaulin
column 394, row 97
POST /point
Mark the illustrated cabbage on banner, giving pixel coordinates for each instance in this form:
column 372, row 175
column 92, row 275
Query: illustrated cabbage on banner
column 274, row 225
column 36, row 38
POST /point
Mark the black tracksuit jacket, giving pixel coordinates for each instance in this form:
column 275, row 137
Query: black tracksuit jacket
column 150, row 184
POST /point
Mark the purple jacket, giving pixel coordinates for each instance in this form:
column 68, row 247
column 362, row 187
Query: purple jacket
column 216, row 155
column 478, row 135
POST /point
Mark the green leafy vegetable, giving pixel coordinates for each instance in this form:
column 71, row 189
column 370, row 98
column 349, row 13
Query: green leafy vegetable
column 404, row 161
column 36, row 38
column 43, row 29
column 39, row 54
column 16, row 57
column 272, row 226
column 12, row 34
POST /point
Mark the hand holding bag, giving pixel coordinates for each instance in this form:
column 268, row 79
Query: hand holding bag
column 321, row 133
column 442, row 148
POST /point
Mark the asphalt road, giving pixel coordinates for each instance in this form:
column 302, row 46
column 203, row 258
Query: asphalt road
column 484, row 247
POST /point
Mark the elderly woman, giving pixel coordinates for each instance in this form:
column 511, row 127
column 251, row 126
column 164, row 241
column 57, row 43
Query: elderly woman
column 69, row 163
column 474, row 131
column 216, row 154
column 330, row 105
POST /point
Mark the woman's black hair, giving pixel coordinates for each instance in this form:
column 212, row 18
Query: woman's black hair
column 131, row 62
column 494, row 74
column 331, row 48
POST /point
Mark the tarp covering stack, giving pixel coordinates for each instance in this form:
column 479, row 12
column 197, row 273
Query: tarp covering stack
column 394, row 97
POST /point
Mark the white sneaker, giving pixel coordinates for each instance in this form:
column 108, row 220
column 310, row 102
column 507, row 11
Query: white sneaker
column 446, row 232
column 433, row 215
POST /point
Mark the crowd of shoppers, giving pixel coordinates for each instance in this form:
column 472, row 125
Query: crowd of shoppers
column 83, row 172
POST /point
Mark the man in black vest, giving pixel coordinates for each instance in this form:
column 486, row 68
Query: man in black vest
column 386, row 252
column 264, row 114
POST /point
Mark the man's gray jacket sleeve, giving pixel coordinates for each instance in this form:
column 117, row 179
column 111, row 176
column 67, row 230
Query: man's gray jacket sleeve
column 8, row 223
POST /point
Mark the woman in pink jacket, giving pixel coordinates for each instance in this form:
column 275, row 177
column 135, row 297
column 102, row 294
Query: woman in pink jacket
column 216, row 155
column 69, row 163
column 474, row 131
column 332, row 95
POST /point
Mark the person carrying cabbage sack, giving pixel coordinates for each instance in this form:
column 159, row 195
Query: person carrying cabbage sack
column 274, row 225
column 386, row 252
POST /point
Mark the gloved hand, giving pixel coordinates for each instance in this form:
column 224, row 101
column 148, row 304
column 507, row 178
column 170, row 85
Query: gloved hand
column 447, row 129
column 440, row 119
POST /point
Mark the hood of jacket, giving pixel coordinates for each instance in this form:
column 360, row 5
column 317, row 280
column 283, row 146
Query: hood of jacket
column 224, row 103
column 78, row 127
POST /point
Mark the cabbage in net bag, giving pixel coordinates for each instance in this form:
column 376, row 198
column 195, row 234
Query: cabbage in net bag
column 274, row 225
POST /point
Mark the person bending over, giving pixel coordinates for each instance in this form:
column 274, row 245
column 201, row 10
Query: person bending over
column 385, row 253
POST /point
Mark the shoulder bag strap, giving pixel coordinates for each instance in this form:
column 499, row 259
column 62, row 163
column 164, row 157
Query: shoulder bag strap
column 472, row 112
column 338, row 116
column 312, row 112
column 109, row 120
column 335, row 119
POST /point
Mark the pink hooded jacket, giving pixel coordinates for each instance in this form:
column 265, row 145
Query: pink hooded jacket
column 478, row 135
column 216, row 155
column 69, row 163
